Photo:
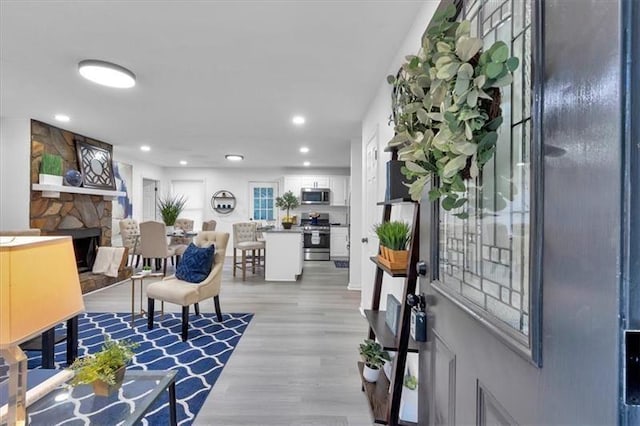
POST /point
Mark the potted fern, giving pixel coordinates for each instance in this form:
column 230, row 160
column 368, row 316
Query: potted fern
column 104, row 369
column 170, row 207
column 50, row 169
column 287, row 202
column 374, row 358
column 394, row 238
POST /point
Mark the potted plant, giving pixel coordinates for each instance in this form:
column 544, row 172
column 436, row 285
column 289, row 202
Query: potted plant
column 50, row 169
column 409, row 401
column 146, row 270
column 287, row 202
column 394, row 238
column 170, row 207
column 446, row 109
column 374, row 358
column 104, row 369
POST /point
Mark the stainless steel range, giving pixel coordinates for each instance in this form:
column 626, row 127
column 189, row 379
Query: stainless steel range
column 317, row 237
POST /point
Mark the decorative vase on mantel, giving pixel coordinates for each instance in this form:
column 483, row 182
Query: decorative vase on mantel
column 45, row 179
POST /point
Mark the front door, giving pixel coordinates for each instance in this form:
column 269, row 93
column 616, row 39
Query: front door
column 524, row 297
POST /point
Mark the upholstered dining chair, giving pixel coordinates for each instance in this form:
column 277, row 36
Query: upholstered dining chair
column 185, row 294
column 180, row 244
column 209, row 225
column 130, row 233
column 245, row 239
column 153, row 242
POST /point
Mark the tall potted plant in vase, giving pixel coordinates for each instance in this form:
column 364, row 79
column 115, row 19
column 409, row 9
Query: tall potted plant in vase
column 170, row 207
column 287, row 202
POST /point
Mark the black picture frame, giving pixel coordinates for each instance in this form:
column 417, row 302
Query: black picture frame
column 96, row 166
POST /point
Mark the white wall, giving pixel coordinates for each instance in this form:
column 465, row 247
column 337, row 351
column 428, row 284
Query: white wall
column 355, row 247
column 15, row 159
column 378, row 116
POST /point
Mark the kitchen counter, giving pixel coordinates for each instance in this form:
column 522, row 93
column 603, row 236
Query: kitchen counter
column 283, row 254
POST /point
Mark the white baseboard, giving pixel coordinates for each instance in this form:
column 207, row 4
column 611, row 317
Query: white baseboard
column 354, row 286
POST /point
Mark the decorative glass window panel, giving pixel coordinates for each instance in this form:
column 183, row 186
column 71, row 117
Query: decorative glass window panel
column 484, row 261
column 262, row 200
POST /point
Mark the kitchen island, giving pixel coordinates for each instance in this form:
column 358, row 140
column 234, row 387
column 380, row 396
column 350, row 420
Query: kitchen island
column 283, row 254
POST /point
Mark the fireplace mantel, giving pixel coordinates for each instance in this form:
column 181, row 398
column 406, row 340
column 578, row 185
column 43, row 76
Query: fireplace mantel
column 53, row 191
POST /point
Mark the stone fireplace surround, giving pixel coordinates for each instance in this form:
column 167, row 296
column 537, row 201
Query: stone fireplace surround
column 78, row 215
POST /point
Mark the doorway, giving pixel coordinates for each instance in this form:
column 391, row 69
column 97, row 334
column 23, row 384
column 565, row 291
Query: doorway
column 150, row 199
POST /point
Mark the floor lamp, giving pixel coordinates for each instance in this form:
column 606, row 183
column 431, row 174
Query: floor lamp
column 39, row 288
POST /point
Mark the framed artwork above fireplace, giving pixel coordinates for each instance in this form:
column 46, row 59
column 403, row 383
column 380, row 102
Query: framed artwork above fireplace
column 95, row 165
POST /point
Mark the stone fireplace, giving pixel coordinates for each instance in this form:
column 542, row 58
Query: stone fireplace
column 87, row 218
column 85, row 245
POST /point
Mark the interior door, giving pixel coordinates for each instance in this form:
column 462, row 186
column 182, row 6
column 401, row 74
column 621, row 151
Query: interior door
column 371, row 215
column 149, row 199
column 523, row 297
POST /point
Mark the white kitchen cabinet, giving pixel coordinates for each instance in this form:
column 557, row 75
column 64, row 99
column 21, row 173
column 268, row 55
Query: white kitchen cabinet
column 315, row 182
column 339, row 190
column 339, row 241
column 293, row 184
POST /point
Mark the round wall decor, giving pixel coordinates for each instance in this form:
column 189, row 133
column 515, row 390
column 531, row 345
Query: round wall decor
column 223, row 202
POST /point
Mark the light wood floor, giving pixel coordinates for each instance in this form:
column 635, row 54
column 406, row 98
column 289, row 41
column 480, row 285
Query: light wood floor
column 296, row 363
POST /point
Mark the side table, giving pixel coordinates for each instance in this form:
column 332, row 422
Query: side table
column 140, row 277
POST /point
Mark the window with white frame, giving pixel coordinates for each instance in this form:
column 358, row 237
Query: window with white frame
column 262, row 196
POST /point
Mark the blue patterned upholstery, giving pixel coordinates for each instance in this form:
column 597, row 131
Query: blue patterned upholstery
column 195, row 264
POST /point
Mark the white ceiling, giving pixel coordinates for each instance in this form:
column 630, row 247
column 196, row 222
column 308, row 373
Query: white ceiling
column 213, row 77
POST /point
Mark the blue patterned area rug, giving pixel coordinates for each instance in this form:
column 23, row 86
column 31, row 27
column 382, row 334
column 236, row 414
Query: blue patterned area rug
column 199, row 361
column 341, row 263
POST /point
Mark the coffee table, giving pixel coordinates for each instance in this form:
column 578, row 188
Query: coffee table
column 127, row 406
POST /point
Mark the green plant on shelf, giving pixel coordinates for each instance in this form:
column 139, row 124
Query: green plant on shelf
column 103, row 364
column 51, row 164
column 373, row 354
column 410, row 382
column 394, row 235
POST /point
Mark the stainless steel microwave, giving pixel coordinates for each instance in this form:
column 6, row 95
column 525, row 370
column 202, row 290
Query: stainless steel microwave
column 315, row 196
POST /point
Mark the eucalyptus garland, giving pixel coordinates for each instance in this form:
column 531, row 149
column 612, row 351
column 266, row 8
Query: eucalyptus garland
column 446, row 108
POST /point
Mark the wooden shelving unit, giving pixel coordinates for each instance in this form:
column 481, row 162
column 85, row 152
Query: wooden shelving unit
column 384, row 396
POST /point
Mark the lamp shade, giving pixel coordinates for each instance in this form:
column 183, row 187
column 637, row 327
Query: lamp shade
column 39, row 286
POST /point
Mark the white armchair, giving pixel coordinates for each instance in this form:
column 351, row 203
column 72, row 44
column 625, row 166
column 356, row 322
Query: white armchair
column 174, row 290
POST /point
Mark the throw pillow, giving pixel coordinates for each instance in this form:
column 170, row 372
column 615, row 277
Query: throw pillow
column 195, row 264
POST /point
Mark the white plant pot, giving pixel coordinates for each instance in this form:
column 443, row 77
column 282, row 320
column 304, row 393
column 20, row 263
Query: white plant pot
column 169, row 229
column 371, row 375
column 50, row 180
column 409, row 405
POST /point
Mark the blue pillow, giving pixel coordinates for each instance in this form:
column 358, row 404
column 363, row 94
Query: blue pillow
column 195, row 264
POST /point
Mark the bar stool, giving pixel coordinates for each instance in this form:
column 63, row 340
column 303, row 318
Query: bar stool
column 245, row 239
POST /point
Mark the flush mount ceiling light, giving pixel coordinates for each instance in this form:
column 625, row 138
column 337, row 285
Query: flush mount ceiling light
column 234, row 157
column 304, row 150
column 107, row 74
column 298, row 120
column 145, row 148
column 183, row 163
column 61, row 117
column 306, row 164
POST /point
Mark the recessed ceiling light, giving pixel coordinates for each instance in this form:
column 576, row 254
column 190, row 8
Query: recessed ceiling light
column 298, row 120
column 107, row 74
column 234, row 157
column 145, row 148
column 183, row 163
column 62, row 117
column 306, row 164
column 304, row 150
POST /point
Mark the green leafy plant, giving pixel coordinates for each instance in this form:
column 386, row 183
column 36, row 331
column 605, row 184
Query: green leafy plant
column 287, row 202
column 170, row 207
column 394, row 235
column 410, row 382
column 103, row 364
column 446, row 108
column 51, row 164
column 373, row 355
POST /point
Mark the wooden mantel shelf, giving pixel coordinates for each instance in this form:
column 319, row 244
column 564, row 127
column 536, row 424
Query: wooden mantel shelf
column 53, row 191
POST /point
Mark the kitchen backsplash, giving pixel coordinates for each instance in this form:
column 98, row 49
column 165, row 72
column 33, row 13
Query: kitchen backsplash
column 337, row 214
